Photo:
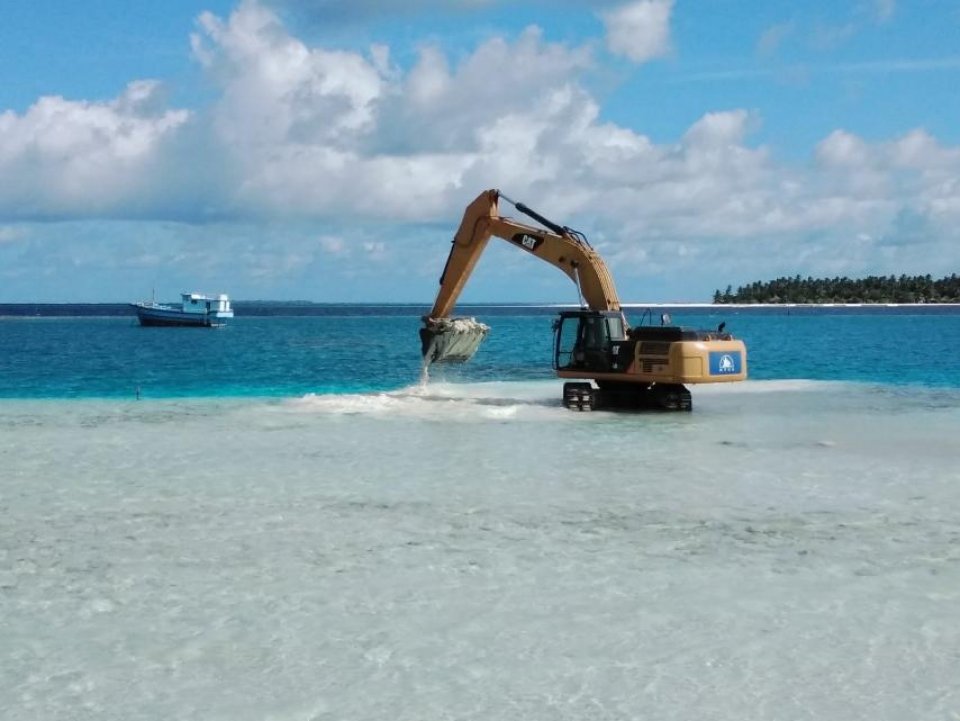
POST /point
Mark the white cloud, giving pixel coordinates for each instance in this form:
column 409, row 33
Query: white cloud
column 918, row 149
column 313, row 134
column 719, row 129
column 276, row 89
column 84, row 158
column 842, row 149
column 639, row 30
column 444, row 109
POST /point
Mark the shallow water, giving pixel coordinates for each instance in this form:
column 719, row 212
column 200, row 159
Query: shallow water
column 472, row 550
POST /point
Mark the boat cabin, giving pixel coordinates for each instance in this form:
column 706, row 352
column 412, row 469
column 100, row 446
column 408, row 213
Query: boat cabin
column 203, row 304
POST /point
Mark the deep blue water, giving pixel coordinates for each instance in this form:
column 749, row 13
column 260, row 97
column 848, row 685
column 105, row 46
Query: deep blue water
column 353, row 349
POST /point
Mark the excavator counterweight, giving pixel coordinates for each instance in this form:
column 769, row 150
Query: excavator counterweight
column 617, row 366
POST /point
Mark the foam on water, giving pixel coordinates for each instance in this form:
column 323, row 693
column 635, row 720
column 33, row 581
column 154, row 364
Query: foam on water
column 447, row 401
column 789, row 550
column 529, row 400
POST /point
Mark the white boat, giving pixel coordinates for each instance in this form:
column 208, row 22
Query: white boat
column 195, row 309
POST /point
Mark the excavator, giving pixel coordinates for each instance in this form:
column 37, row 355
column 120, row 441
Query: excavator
column 606, row 363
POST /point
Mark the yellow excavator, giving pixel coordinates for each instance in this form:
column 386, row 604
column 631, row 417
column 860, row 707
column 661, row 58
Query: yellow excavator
column 635, row 368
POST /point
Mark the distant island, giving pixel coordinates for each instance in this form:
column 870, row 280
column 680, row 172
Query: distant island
column 872, row 289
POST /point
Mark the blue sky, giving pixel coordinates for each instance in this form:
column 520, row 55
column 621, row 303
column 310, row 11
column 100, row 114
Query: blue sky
column 325, row 149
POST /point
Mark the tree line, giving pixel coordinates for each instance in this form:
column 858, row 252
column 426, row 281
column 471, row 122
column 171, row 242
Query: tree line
column 872, row 289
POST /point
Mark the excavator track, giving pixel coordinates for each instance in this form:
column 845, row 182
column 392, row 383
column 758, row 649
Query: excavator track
column 579, row 396
column 582, row 396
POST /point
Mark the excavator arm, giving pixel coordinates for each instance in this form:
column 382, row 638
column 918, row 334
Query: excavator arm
column 446, row 339
column 564, row 248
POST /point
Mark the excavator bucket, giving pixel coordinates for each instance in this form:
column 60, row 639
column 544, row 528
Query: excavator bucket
column 451, row 340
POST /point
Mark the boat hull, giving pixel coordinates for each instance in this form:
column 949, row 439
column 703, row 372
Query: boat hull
column 172, row 317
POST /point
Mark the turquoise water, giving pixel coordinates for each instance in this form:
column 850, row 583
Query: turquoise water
column 289, row 356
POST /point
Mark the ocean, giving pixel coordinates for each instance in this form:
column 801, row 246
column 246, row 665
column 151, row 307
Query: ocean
column 278, row 520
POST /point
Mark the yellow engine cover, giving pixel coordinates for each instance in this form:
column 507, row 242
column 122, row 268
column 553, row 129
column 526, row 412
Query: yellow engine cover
column 681, row 361
column 712, row 361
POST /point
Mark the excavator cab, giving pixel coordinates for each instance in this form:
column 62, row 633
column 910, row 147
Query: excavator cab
column 587, row 339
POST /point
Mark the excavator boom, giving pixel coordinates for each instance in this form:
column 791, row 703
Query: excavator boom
column 564, row 248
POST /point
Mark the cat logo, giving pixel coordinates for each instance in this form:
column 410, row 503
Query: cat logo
column 529, row 242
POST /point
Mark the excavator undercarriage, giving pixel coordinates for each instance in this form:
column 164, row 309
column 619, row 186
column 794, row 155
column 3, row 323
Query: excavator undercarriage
column 644, row 367
column 583, row 396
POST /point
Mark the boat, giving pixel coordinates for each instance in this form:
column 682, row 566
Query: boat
column 195, row 309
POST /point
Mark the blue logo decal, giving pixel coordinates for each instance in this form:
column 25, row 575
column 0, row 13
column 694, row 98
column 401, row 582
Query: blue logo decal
column 725, row 364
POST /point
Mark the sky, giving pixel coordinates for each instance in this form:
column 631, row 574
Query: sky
column 325, row 150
